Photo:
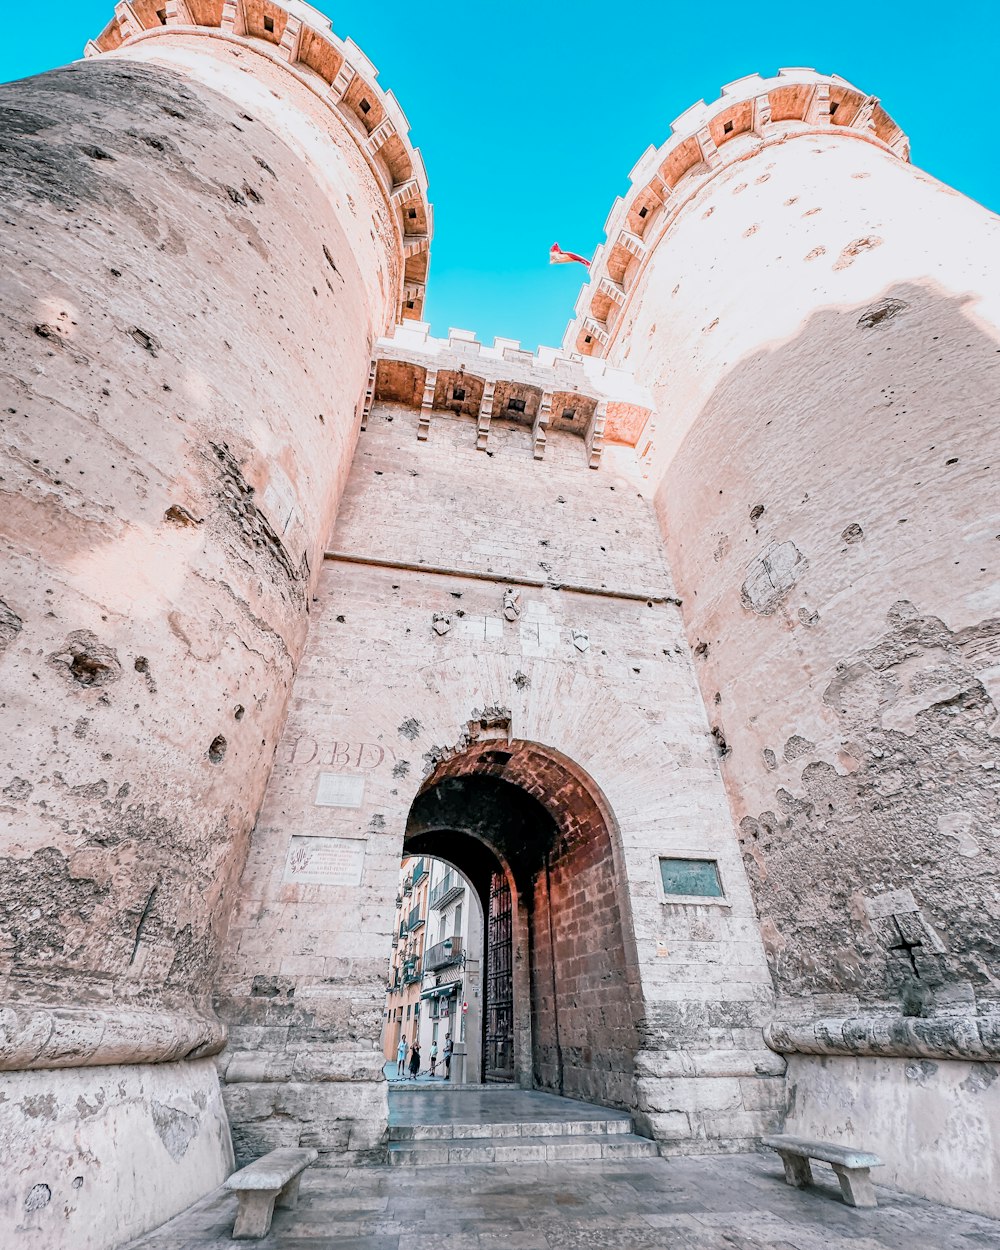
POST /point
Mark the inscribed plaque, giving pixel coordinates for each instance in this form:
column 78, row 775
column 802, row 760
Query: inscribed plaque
column 324, row 861
column 693, row 878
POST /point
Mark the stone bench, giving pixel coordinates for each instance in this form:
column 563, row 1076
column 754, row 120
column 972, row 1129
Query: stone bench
column 851, row 1166
column 269, row 1181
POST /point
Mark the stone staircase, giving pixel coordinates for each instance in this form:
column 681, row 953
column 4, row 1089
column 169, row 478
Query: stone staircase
column 514, row 1127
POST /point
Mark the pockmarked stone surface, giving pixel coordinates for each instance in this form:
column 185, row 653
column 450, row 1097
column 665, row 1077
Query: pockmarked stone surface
column 292, row 588
column 731, row 1203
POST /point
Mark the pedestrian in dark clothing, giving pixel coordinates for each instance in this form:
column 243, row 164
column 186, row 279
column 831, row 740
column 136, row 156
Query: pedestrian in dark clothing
column 415, row 1060
column 448, row 1048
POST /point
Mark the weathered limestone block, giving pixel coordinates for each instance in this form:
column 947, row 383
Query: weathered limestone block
column 70, row 1185
column 933, row 1123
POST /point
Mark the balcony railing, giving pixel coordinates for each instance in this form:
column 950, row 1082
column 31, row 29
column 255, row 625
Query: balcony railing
column 443, row 954
column 419, row 870
column 414, row 920
column 450, row 887
column 411, row 971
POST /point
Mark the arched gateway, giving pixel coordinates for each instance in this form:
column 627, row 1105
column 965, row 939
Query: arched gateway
column 523, row 823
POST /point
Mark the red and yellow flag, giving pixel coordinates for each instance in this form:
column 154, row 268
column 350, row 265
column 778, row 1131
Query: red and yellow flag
column 558, row 257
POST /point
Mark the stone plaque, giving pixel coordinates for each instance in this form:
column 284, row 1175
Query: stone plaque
column 324, row 861
column 339, row 790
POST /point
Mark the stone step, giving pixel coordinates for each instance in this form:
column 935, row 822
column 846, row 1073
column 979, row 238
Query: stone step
column 526, row 1149
column 516, row 1128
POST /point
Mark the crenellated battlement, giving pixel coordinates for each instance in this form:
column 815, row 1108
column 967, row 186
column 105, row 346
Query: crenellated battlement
column 751, row 114
column 550, row 389
column 300, row 38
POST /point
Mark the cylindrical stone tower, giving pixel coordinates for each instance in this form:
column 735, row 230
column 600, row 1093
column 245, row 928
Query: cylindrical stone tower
column 206, row 223
column 820, row 324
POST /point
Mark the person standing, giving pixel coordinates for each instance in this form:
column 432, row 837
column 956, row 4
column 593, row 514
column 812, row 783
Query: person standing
column 434, row 1056
column 415, row 1061
column 448, row 1048
column 401, row 1057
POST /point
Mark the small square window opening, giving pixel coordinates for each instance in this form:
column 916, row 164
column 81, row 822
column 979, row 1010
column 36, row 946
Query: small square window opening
column 412, row 214
column 834, row 106
column 162, row 15
column 409, row 303
column 515, row 405
column 365, row 107
column 459, row 393
column 727, row 128
column 643, row 211
column 569, row 414
column 269, row 24
column 587, row 339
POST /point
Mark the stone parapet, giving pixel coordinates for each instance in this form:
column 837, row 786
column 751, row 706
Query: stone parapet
column 751, row 114
column 547, row 389
column 301, row 39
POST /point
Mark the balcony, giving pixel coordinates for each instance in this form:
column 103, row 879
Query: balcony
column 443, row 954
column 414, row 920
column 450, row 887
column 420, row 871
column 411, row 971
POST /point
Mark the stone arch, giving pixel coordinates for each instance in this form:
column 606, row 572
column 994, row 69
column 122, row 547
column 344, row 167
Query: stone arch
column 529, row 812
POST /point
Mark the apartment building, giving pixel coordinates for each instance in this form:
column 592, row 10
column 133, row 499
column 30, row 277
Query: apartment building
column 434, row 985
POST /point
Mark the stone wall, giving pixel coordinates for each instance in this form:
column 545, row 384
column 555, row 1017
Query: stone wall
column 196, row 258
column 399, row 664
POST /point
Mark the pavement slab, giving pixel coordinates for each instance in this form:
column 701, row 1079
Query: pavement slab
column 727, row 1202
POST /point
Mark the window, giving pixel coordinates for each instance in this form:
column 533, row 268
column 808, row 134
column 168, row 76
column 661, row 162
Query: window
column 407, row 1011
column 727, row 128
column 515, row 405
column 162, row 15
column 569, row 414
column 690, row 878
column 459, row 393
column 412, row 214
column 269, row 24
column 587, row 339
column 409, row 303
column 365, row 107
column 834, row 106
column 643, row 211
column 457, row 928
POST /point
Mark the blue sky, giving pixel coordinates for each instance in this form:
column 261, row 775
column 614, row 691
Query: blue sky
column 530, row 115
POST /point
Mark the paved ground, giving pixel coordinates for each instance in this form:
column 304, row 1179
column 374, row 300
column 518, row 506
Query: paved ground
column 733, row 1202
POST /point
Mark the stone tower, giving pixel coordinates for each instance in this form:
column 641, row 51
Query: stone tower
column 205, row 227
column 292, row 587
column 819, row 322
